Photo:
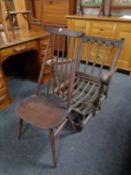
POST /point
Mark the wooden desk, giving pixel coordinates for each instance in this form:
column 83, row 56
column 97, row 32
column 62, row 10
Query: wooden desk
column 32, row 40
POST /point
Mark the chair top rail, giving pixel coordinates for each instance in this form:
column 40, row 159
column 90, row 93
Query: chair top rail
column 63, row 31
column 100, row 40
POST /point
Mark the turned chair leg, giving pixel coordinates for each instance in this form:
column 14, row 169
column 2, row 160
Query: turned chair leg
column 20, row 123
column 52, row 141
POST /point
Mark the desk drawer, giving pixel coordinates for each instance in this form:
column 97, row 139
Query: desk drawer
column 79, row 25
column 102, row 29
column 18, row 49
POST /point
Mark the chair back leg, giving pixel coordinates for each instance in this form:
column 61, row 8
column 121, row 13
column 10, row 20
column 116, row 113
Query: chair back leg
column 52, row 142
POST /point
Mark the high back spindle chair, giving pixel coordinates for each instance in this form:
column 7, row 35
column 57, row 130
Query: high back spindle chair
column 47, row 109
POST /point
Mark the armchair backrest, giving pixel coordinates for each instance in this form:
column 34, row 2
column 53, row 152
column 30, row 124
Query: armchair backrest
column 99, row 52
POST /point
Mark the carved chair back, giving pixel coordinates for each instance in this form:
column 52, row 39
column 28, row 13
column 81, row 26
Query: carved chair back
column 99, row 53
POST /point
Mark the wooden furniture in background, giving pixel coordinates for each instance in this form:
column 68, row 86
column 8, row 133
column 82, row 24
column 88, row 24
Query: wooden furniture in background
column 6, row 21
column 107, row 27
column 49, row 110
column 14, row 17
column 53, row 12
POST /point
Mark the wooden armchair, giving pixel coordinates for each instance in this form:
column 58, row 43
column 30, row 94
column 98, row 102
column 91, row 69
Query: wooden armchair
column 93, row 77
column 46, row 108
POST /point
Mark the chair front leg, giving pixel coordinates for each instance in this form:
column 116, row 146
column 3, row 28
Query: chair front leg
column 20, row 123
column 52, row 141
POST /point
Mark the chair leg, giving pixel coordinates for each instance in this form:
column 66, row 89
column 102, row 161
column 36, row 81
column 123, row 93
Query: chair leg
column 52, row 141
column 19, row 128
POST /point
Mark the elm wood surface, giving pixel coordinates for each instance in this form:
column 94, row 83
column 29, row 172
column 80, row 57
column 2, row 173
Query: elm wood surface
column 25, row 41
column 40, row 111
column 47, row 109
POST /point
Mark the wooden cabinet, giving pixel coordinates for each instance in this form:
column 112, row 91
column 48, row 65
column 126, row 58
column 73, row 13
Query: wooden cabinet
column 54, row 11
column 102, row 29
column 110, row 27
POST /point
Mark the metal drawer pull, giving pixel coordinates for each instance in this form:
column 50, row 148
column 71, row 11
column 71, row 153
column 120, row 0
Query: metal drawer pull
column 20, row 48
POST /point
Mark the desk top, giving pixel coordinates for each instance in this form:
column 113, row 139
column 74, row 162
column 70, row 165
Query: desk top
column 100, row 18
column 22, row 37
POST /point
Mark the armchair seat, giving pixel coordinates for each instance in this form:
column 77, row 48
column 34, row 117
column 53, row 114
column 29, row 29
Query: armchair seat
column 44, row 112
column 86, row 94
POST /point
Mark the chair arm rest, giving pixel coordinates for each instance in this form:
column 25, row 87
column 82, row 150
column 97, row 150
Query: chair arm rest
column 105, row 78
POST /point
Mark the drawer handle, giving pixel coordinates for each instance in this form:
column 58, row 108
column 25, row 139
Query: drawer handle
column 101, row 29
column 20, row 48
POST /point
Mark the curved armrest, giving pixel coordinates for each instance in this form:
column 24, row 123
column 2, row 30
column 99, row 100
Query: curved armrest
column 105, row 78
